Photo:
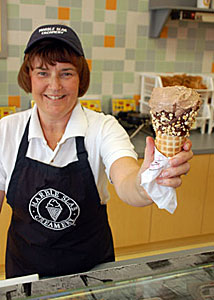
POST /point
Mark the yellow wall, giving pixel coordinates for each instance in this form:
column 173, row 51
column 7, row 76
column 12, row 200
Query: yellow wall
column 5, row 216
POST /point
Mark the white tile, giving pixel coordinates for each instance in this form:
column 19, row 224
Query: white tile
column 90, row 96
column 143, row 18
column 133, row 21
column 171, row 46
column 88, row 11
column 207, row 62
column 107, row 83
column 129, row 89
column 24, row 37
column 132, row 88
column 13, row 37
column 13, row 63
column 108, row 53
column 39, row 22
column 110, row 16
column 12, row 1
column 51, row 3
column 31, row 11
column 129, row 66
column 99, row 28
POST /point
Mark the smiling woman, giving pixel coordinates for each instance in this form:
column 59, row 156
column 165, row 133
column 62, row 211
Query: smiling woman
column 55, row 161
column 56, row 76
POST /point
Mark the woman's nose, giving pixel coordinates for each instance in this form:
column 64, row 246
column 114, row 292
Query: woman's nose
column 55, row 83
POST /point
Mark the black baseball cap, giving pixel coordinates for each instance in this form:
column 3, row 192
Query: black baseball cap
column 58, row 32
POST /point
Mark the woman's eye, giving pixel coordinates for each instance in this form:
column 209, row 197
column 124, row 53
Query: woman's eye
column 42, row 74
column 66, row 74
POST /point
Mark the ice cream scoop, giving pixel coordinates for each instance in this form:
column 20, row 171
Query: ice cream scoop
column 173, row 110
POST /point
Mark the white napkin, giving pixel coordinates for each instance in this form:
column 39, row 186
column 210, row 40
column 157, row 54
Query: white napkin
column 164, row 196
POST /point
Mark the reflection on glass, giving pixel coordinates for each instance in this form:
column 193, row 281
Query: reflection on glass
column 195, row 283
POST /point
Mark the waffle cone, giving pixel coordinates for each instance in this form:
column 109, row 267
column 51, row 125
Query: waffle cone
column 169, row 145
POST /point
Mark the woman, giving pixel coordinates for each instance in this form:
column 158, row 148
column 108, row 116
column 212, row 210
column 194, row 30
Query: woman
column 54, row 159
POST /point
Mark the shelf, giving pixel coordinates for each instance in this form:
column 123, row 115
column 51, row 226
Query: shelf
column 161, row 10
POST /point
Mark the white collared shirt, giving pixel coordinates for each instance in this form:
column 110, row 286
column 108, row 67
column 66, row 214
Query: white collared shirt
column 105, row 142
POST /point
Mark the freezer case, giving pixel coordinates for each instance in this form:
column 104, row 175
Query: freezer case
column 172, row 276
column 197, row 283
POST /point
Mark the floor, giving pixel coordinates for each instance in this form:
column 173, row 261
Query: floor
column 140, row 254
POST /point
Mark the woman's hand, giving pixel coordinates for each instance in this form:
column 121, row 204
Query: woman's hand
column 125, row 174
column 179, row 165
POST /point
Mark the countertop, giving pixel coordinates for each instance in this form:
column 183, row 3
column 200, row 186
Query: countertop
column 201, row 143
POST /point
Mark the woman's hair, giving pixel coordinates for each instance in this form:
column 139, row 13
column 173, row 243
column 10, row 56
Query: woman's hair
column 50, row 52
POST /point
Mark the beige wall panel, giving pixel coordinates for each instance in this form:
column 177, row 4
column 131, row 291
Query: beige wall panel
column 130, row 225
column 187, row 219
column 208, row 217
column 5, row 216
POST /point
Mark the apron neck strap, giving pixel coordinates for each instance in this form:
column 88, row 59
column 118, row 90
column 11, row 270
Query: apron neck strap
column 24, row 142
column 80, row 146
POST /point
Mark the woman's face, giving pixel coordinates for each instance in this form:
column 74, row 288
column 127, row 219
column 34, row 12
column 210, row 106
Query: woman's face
column 54, row 89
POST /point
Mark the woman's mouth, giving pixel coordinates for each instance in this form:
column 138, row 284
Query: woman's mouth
column 52, row 97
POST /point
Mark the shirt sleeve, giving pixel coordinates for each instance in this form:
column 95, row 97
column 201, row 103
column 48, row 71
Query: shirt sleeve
column 2, row 174
column 115, row 143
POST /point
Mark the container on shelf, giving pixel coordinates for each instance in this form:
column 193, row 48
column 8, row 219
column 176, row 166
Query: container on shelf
column 203, row 3
column 7, row 110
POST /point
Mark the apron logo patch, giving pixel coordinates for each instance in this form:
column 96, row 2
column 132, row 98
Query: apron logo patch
column 53, row 209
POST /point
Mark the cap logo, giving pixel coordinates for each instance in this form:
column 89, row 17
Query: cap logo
column 52, row 30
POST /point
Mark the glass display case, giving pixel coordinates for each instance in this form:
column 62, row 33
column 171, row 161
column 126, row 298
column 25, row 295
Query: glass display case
column 195, row 283
column 180, row 275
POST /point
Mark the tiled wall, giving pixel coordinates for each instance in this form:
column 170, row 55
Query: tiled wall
column 114, row 34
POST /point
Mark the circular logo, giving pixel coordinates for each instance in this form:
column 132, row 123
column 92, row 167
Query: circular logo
column 53, row 209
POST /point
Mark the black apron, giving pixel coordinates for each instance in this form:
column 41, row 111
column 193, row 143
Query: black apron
column 58, row 225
